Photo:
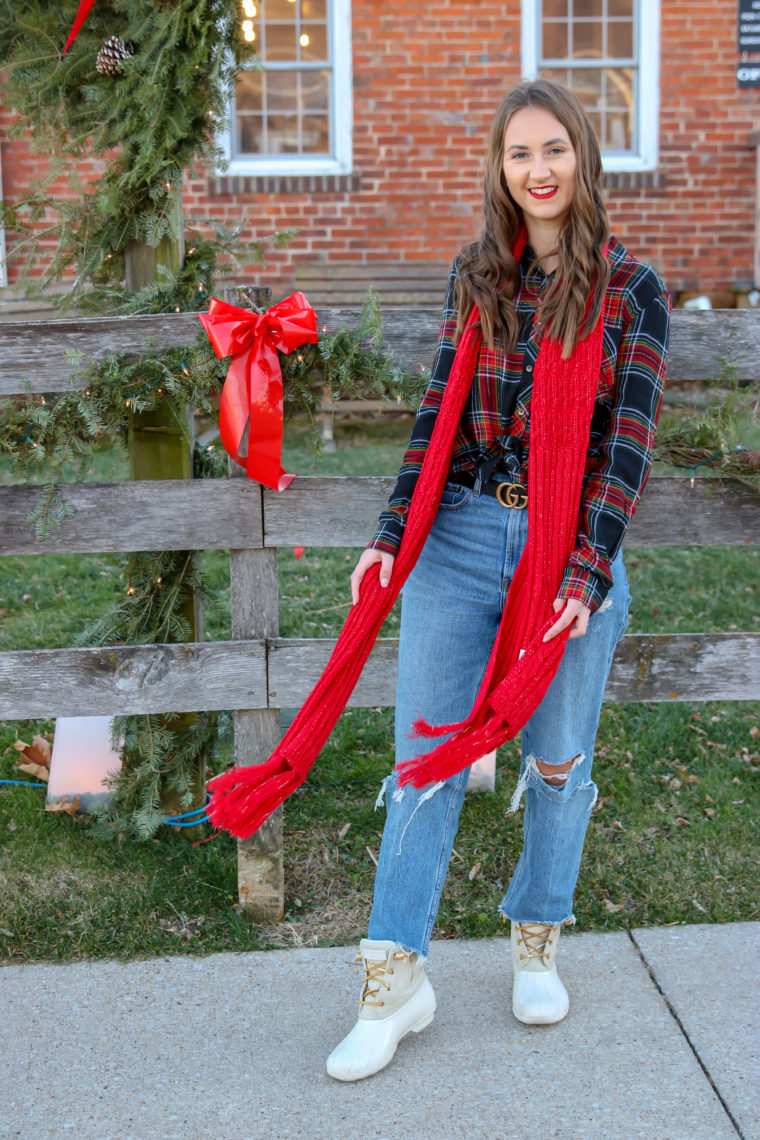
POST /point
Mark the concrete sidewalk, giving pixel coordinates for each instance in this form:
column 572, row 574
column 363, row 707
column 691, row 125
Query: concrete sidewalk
column 662, row 1042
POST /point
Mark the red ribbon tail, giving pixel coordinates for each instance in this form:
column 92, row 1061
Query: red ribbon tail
column 82, row 14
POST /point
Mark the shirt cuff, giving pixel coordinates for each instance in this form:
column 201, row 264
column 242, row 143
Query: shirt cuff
column 584, row 585
column 384, row 543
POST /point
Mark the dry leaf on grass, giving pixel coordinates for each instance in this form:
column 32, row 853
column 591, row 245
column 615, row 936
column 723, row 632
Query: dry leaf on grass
column 34, row 758
column 474, row 870
column 613, row 908
column 72, row 805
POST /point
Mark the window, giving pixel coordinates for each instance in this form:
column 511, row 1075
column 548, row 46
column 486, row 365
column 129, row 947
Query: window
column 293, row 114
column 607, row 51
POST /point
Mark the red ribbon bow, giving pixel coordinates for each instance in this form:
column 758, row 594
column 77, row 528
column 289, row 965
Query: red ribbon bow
column 252, row 393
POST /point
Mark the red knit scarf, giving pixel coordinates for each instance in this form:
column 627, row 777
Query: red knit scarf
column 522, row 665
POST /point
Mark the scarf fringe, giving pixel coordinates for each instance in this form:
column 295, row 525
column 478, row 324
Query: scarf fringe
column 430, row 731
column 461, row 750
column 243, row 798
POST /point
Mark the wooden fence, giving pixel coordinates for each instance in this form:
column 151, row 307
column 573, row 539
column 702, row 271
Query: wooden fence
column 257, row 673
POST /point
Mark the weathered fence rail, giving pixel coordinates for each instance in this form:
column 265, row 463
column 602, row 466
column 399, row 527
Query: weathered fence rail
column 257, row 672
column 34, row 353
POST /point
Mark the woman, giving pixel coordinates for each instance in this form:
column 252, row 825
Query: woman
column 566, row 334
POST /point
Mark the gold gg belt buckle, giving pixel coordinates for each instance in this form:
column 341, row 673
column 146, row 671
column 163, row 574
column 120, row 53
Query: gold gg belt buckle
column 512, row 495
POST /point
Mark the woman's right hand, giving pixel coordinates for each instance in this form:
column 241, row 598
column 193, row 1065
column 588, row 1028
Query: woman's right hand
column 369, row 558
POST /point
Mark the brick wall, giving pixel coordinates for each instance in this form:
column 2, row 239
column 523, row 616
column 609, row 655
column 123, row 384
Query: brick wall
column 426, row 81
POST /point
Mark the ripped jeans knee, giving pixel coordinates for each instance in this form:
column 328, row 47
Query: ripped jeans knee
column 561, row 780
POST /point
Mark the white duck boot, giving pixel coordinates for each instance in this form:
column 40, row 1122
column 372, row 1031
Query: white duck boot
column 396, row 999
column 538, row 996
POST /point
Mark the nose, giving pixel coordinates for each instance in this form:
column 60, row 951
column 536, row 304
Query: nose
column 540, row 167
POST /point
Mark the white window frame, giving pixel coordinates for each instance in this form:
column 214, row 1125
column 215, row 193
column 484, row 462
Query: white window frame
column 647, row 110
column 340, row 161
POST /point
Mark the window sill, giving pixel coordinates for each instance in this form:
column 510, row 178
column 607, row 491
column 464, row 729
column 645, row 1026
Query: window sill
column 634, row 180
column 285, row 184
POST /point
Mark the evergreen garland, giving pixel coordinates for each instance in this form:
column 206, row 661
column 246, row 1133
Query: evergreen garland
column 149, row 122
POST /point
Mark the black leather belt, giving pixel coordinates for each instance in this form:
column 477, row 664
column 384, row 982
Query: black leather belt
column 507, row 494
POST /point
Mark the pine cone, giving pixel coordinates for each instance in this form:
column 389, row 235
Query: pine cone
column 111, row 56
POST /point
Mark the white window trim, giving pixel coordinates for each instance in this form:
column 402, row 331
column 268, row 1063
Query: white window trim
column 341, row 116
column 648, row 96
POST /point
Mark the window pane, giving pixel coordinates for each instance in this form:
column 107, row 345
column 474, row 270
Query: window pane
column 313, row 42
column 555, row 40
column 620, row 8
column 587, row 39
column 561, row 74
column 315, row 90
column 620, row 39
column 250, row 134
column 282, row 91
column 282, row 134
column 595, row 118
column 313, row 10
column 316, row 134
column 618, row 131
column 587, row 7
column 587, row 85
column 618, row 88
column 555, row 8
column 281, row 42
column 248, row 91
column 279, row 9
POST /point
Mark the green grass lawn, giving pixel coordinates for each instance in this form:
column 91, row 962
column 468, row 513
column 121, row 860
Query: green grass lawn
column 674, row 837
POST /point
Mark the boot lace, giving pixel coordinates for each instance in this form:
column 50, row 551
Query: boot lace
column 373, row 973
column 534, row 936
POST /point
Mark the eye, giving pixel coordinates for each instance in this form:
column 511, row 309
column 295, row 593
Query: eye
column 557, row 150
column 519, row 154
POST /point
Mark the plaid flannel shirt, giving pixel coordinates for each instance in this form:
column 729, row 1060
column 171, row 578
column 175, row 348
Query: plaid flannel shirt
column 496, row 417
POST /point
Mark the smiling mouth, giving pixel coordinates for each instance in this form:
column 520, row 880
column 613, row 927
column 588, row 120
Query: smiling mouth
column 542, row 192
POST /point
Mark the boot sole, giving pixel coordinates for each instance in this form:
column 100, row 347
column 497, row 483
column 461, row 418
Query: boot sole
column 539, row 1020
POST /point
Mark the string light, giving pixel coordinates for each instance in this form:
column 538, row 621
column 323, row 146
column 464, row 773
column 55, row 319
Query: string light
column 248, row 33
column 190, row 252
column 168, row 185
column 131, row 590
column 249, row 8
column 159, row 580
column 127, row 403
column 304, row 40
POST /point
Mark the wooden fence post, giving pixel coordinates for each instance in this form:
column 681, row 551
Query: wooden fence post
column 255, row 614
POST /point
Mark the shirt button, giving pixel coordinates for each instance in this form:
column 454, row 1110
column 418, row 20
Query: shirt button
column 528, row 367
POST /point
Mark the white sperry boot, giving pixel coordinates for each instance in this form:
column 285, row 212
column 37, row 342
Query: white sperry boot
column 396, row 999
column 538, row 996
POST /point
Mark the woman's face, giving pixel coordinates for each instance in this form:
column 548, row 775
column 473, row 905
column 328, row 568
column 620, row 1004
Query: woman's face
column 539, row 165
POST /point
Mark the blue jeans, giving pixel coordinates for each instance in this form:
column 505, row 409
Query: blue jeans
column 451, row 607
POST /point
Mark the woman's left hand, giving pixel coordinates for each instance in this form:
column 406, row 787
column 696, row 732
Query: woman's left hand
column 574, row 614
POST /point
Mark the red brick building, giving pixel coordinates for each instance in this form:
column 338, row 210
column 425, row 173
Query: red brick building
column 367, row 127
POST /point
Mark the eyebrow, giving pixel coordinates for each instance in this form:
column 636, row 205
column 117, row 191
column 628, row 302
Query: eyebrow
column 524, row 146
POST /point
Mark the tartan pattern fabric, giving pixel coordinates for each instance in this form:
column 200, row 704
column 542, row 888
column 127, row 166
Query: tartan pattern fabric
column 496, row 418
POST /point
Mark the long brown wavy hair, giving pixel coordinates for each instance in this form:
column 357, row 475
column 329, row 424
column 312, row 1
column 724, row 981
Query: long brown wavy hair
column 489, row 275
